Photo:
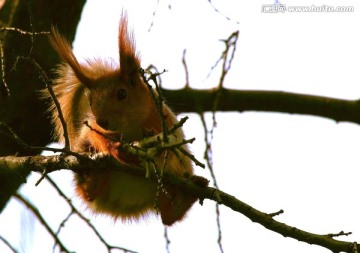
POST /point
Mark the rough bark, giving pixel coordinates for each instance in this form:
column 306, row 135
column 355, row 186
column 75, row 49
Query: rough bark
column 21, row 109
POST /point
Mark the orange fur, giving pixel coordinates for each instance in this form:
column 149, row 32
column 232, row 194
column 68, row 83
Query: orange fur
column 115, row 102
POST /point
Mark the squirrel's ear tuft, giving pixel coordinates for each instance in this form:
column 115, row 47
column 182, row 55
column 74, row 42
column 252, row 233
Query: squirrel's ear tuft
column 62, row 47
column 129, row 59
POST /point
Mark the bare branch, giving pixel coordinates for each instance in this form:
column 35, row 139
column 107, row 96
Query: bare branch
column 227, row 57
column 48, row 84
column 167, row 240
column 341, row 233
column 222, row 14
column 192, row 157
column 62, row 224
column 188, row 186
column 153, row 16
column 32, row 33
column 31, row 51
column 191, row 100
column 187, row 82
column 75, row 211
column 158, row 98
column 42, row 220
column 6, row 130
column 276, row 213
column 18, row 30
column 262, row 218
column 8, row 244
column 2, row 62
column 208, row 158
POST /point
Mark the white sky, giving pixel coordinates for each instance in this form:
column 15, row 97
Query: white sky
column 307, row 166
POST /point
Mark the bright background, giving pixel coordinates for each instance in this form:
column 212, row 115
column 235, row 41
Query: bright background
column 307, row 166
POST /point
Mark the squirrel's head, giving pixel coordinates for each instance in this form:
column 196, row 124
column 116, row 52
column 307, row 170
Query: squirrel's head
column 119, row 99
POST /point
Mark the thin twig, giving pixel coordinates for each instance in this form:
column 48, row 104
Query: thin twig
column 153, row 69
column 158, row 98
column 48, row 84
column 192, row 157
column 161, row 178
column 167, row 240
column 62, row 224
column 6, row 130
column 187, row 83
column 227, row 57
column 22, row 32
column 74, row 210
column 153, row 15
column 208, row 152
column 8, row 244
column 31, row 51
column 155, row 140
column 276, row 213
column 207, row 155
column 341, row 233
column 160, row 185
column 32, row 34
column 178, row 124
column 147, row 150
column 222, row 14
column 9, row 132
column 42, row 220
column 3, row 74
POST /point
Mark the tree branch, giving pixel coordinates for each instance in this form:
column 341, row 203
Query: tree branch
column 54, row 163
column 191, row 100
column 75, row 211
column 42, row 220
column 20, row 107
column 8, row 244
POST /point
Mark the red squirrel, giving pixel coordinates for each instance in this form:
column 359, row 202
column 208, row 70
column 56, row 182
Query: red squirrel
column 116, row 104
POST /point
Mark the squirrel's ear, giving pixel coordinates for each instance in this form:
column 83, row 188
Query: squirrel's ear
column 62, row 47
column 129, row 59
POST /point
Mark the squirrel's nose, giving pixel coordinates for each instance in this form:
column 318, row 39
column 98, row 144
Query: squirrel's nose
column 103, row 123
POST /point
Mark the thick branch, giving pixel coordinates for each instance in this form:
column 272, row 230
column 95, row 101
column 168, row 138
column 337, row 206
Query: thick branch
column 53, row 163
column 191, row 100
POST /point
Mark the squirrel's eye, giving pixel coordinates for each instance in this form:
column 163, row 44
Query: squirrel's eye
column 121, row 94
